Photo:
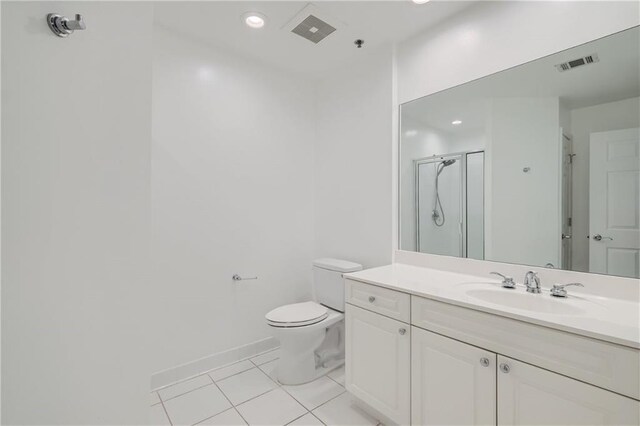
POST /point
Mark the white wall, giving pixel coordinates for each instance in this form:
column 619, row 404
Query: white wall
column 584, row 121
column 352, row 161
column 523, row 208
column 493, row 36
column 232, row 193
column 75, row 215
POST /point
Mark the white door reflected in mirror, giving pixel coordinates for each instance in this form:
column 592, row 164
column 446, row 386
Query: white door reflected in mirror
column 614, row 205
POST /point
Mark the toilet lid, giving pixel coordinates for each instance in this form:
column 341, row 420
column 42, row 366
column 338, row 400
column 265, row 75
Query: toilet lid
column 297, row 314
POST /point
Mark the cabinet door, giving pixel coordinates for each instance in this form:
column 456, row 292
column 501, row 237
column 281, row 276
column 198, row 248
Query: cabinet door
column 378, row 362
column 452, row 383
column 529, row 395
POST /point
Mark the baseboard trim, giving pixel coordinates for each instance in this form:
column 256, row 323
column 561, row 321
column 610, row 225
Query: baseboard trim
column 200, row 366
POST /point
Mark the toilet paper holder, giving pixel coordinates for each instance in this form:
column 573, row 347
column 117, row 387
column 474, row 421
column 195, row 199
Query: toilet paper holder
column 237, row 277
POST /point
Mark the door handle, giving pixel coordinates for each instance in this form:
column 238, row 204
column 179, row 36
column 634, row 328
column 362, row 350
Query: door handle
column 566, row 236
column 599, row 237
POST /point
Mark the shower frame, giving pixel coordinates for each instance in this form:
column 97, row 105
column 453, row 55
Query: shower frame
column 462, row 157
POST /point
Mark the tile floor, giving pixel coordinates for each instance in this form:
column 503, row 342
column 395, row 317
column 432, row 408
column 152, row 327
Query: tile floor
column 247, row 393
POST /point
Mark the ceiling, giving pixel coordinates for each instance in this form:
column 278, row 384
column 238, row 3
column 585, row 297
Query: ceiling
column 219, row 23
column 615, row 77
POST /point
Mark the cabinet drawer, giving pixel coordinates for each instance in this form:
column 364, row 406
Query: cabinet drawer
column 610, row 366
column 387, row 302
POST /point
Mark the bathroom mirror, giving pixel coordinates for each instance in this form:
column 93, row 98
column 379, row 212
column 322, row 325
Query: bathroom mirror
column 537, row 165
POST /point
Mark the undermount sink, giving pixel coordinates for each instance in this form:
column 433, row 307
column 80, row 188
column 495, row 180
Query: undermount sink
column 519, row 299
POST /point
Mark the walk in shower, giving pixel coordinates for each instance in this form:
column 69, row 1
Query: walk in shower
column 449, row 204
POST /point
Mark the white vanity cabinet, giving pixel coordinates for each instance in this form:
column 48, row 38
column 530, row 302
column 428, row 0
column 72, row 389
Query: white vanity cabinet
column 451, row 365
column 378, row 354
column 452, row 383
column 528, row 395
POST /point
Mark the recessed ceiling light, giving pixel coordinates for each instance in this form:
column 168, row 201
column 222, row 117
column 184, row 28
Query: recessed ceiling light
column 456, row 122
column 254, row 19
column 420, row 1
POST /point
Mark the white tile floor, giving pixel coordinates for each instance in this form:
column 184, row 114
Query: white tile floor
column 247, row 393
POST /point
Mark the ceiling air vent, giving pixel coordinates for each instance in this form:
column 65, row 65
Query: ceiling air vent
column 566, row 66
column 313, row 29
column 312, row 23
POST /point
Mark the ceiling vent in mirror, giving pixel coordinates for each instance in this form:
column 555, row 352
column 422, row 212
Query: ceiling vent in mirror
column 313, row 29
column 313, row 24
column 569, row 65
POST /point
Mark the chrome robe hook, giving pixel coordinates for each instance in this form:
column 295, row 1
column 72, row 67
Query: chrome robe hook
column 63, row 26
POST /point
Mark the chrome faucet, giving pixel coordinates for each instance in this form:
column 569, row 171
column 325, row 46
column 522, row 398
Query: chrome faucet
column 532, row 282
column 560, row 291
column 507, row 282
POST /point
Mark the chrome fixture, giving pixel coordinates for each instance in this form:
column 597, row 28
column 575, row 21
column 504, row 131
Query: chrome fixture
column 558, row 290
column 402, row 331
column 437, row 205
column 599, row 237
column 484, row 362
column 505, row 368
column 507, row 282
column 63, row 26
column 237, row 277
column 532, row 281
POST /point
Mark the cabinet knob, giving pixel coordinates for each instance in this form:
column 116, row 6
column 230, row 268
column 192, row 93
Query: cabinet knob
column 402, row 331
column 372, row 299
column 505, row 368
column 484, row 362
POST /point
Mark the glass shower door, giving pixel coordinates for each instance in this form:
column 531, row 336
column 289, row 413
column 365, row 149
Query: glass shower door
column 439, row 205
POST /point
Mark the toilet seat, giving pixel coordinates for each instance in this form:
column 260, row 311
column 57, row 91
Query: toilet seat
column 297, row 315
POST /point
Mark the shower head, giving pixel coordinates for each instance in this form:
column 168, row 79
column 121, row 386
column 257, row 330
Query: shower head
column 446, row 163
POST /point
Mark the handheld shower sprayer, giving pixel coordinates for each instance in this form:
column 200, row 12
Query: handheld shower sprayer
column 437, row 215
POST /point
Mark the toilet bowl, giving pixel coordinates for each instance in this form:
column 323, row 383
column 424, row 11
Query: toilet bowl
column 300, row 339
column 311, row 334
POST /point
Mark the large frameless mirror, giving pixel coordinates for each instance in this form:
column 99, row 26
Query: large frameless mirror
column 535, row 165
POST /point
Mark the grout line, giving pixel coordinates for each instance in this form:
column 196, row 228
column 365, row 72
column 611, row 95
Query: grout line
column 328, row 401
column 317, row 418
column 270, row 378
column 166, row 413
column 241, row 416
column 299, row 417
column 254, row 397
column 159, row 399
column 181, row 381
column 304, row 406
column 208, row 373
column 216, row 368
column 264, row 353
column 295, row 399
column 232, row 406
column 335, row 379
column 189, row 391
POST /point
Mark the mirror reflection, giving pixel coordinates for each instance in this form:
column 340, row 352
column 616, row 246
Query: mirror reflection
column 535, row 165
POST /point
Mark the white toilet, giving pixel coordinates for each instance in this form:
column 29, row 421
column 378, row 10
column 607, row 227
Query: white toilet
column 311, row 334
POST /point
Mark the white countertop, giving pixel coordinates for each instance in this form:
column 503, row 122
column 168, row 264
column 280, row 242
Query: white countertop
column 612, row 320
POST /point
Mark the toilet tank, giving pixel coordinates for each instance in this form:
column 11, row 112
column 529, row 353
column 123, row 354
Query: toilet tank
column 328, row 284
